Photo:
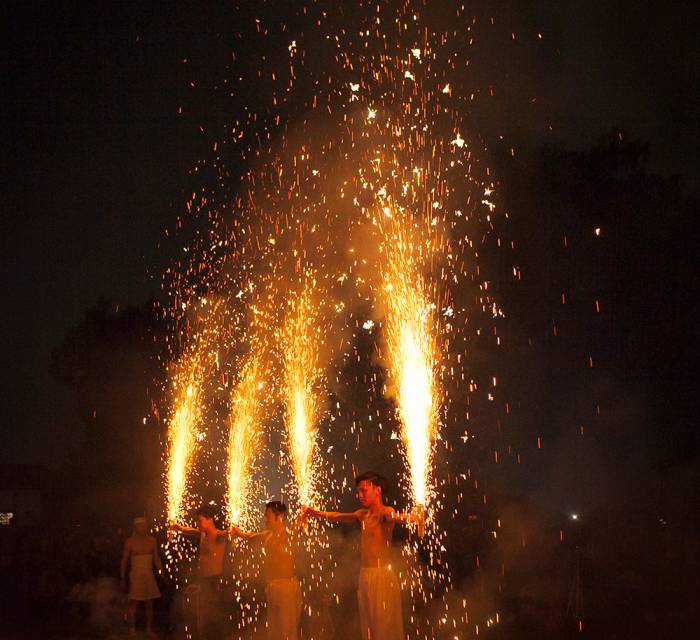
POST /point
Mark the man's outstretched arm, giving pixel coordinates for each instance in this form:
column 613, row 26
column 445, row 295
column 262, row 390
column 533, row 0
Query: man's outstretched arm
column 414, row 516
column 173, row 526
column 237, row 532
column 333, row 516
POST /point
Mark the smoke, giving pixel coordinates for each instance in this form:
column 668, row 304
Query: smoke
column 104, row 601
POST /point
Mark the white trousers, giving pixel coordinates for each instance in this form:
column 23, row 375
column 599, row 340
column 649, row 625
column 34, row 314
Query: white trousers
column 283, row 609
column 379, row 599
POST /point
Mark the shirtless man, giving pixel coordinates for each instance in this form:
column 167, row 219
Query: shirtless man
column 141, row 554
column 283, row 592
column 212, row 549
column 378, row 591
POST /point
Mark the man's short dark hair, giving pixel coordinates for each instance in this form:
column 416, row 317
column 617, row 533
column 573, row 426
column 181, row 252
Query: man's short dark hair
column 207, row 510
column 375, row 479
column 277, row 507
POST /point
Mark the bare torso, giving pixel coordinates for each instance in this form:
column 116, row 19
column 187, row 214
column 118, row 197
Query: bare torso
column 211, row 554
column 377, row 531
column 279, row 555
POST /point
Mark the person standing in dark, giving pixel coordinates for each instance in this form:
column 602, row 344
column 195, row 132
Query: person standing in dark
column 141, row 556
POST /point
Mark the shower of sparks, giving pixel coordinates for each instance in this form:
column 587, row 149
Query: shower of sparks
column 363, row 168
column 412, row 355
column 302, row 384
column 244, row 443
column 186, row 427
column 182, row 434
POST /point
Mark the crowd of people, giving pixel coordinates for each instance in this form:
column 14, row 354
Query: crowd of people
column 78, row 569
column 378, row 591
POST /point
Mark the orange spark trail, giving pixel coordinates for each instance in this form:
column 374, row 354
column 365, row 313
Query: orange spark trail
column 182, row 434
column 411, row 338
column 301, row 389
column 243, row 442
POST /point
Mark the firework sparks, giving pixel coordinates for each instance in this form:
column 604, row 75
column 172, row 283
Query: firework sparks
column 302, row 378
column 373, row 182
column 244, row 441
column 182, row 435
column 412, row 354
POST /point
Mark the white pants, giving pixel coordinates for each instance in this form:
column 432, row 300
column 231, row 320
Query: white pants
column 379, row 599
column 283, row 609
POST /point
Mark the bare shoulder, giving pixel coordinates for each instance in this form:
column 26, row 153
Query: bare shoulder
column 389, row 513
column 222, row 536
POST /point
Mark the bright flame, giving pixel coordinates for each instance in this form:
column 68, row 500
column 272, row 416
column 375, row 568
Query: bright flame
column 301, row 393
column 411, row 335
column 243, row 441
column 182, row 436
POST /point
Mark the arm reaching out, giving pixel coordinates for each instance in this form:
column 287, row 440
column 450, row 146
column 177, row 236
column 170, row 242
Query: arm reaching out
column 173, row 526
column 414, row 516
column 236, row 532
column 333, row 516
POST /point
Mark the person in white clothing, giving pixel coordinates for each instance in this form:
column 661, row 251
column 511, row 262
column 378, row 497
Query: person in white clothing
column 140, row 554
column 378, row 590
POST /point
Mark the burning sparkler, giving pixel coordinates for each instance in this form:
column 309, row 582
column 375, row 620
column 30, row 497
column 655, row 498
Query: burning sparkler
column 182, row 434
column 411, row 338
column 302, row 378
column 244, row 440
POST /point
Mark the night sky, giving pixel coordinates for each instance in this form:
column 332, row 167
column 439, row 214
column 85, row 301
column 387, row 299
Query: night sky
column 96, row 157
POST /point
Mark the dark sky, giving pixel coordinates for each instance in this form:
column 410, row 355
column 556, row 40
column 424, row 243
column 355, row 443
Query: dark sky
column 96, row 157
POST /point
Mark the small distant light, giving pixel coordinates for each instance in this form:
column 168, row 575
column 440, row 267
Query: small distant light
column 574, row 516
column 5, row 517
column 597, row 231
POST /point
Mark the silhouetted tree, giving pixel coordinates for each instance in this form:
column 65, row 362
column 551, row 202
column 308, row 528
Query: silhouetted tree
column 112, row 361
